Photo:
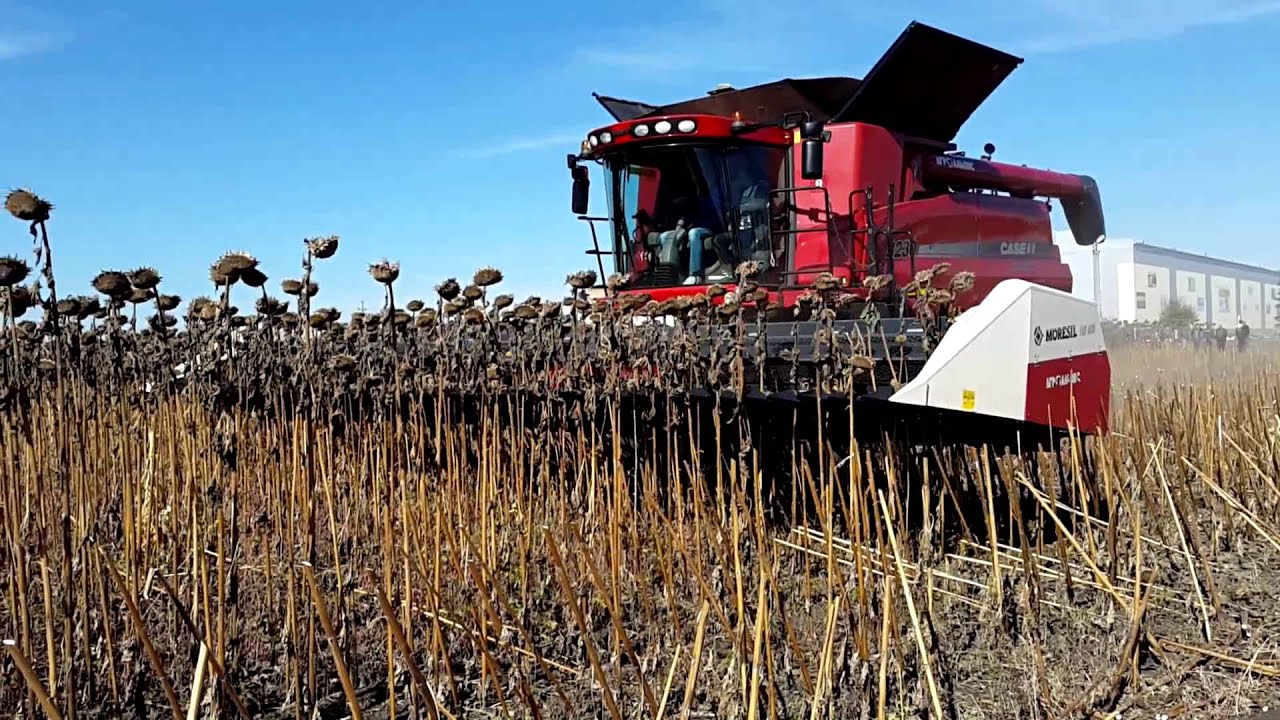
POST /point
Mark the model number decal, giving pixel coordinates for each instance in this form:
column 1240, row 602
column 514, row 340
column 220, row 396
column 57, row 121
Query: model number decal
column 948, row 161
column 1063, row 380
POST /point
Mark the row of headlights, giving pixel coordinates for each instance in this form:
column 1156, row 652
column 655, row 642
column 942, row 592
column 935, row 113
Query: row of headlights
column 662, row 127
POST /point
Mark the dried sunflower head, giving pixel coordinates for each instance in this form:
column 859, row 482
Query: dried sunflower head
column 749, row 268
column 231, row 266
column 323, row 247
column 486, row 276
column 448, row 290
column 877, row 282
column 13, row 271
column 526, row 312
column 270, row 306
column 962, row 281
column 138, row 295
column 144, row 278
column 196, row 306
column 582, row 279
column 826, row 281
column 68, row 306
column 426, row 318
column 114, row 284
column 474, row 316
column 89, row 306
column 503, row 301
column 253, row 277
column 27, row 206
column 385, row 271
column 941, row 297
column 291, row 287
column 472, row 293
column 168, row 303
column 414, row 306
column 847, row 300
column 220, row 278
column 939, row 269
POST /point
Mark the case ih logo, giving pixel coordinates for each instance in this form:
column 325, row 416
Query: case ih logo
column 1023, row 247
column 1063, row 380
column 1053, row 334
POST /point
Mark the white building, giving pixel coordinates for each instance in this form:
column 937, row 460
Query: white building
column 1137, row 280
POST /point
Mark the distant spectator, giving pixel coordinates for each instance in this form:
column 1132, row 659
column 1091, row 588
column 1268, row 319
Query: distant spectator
column 1221, row 337
column 1242, row 335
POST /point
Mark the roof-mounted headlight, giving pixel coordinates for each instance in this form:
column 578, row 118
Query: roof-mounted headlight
column 606, row 137
column 593, row 140
column 686, row 126
column 662, row 127
column 640, row 130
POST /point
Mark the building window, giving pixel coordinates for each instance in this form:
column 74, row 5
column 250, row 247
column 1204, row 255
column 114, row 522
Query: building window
column 1151, row 279
column 1140, row 300
column 1191, row 284
column 1250, row 291
column 1224, row 300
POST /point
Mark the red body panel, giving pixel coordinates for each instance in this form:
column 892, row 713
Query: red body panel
column 996, row 237
column 1054, row 386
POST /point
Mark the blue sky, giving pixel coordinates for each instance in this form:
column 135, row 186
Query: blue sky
column 435, row 134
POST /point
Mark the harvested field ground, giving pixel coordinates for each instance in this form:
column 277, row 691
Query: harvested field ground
column 535, row 576
column 276, row 518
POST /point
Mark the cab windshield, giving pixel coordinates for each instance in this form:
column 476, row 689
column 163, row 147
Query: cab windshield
column 689, row 214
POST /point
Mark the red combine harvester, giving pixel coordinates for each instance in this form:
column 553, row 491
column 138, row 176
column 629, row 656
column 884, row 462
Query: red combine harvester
column 857, row 185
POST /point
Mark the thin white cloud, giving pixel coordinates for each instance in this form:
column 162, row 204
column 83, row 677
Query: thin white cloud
column 1093, row 23
column 16, row 45
column 758, row 36
column 511, row 146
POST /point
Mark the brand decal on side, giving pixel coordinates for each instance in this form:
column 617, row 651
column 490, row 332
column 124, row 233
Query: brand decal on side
column 1062, row 332
column 1022, row 247
column 948, row 161
column 1062, row 380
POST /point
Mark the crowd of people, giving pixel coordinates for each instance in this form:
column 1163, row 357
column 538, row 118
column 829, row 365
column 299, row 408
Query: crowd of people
column 1199, row 336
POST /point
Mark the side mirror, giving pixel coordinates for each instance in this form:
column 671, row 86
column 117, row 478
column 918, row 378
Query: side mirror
column 581, row 189
column 813, row 136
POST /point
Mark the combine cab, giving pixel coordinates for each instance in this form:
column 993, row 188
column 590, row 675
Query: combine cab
column 853, row 188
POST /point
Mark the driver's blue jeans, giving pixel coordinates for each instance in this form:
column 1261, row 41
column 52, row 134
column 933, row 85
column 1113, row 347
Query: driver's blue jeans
column 697, row 239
